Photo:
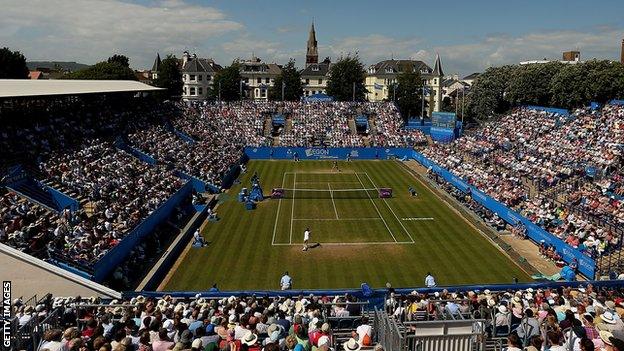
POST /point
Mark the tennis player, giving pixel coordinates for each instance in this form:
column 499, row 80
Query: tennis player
column 306, row 238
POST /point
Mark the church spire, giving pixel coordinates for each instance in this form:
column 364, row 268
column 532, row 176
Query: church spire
column 312, row 50
column 437, row 69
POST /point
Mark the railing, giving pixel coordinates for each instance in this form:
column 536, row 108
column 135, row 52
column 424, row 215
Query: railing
column 28, row 336
column 388, row 333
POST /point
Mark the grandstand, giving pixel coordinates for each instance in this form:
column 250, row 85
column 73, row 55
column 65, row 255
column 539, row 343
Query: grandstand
column 104, row 188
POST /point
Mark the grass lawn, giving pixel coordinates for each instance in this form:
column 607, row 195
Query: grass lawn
column 363, row 238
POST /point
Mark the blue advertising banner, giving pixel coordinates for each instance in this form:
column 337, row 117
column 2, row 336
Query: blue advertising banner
column 560, row 111
column 586, row 264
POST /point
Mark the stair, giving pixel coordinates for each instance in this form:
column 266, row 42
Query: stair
column 372, row 124
column 268, row 126
column 64, row 189
column 34, row 192
column 352, row 127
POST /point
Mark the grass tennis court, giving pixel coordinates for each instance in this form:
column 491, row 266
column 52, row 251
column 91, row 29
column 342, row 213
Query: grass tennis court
column 363, row 238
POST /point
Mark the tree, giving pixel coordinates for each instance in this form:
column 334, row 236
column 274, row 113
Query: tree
column 408, row 93
column 103, row 71
column 12, row 65
column 605, row 80
column 448, row 104
column 120, row 59
column 569, row 88
column 487, row 95
column 170, row 77
column 345, row 75
column 291, row 78
column 530, row 84
column 226, row 84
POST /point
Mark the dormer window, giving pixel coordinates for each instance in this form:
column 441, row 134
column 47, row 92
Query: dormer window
column 315, row 68
column 389, row 70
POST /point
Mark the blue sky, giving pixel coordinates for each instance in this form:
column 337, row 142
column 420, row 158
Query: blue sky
column 469, row 35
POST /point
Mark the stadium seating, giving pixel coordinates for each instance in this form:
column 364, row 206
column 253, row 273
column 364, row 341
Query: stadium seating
column 537, row 162
column 438, row 319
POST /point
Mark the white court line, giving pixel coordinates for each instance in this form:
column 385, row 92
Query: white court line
column 341, row 219
column 292, row 210
column 331, row 193
column 354, row 244
column 317, row 182
column 279, row 205
column 379, row 213
column 418, row 219
column 386, row 202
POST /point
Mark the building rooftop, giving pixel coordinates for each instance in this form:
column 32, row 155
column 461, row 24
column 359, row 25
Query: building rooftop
column 29, row 87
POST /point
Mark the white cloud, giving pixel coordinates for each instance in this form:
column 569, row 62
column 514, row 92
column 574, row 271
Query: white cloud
column 373, row 48
column 91, row 30
column 601, row 43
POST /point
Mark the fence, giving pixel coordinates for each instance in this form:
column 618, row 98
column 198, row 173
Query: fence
column 448, row 335
column 458, row 335
column 388, row 333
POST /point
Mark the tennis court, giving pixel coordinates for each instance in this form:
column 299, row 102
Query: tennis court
column 364, row 238
column 339, row 208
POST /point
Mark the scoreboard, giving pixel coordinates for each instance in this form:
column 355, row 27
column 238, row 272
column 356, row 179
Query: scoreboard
column 443, row 120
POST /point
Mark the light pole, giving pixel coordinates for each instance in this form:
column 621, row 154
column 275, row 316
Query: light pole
column 219, row 91
column 463, row 103
column 394, row 91
column 422, row 103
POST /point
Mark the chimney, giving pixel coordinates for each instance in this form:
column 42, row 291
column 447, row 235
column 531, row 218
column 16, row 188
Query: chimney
column 185, row 58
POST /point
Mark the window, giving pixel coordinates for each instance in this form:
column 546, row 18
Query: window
column 200, row 91
column 307, row 81
column 184, row 90
column 259, row 80
column 199, row 77
column 192, row 77
column 320, row 81
column 315, row 68
column 208, row 78
column 389, row 70
column 246, row 80
column 192, row 91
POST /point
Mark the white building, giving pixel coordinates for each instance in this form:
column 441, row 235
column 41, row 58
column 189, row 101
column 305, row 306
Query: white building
column 258, row 77
column 197, row 76
column 314, row 78
column 381, row 76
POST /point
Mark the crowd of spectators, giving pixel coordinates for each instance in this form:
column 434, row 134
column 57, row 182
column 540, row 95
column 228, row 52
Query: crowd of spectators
column 388, row 124
column 506, row 156
column 167, row 323
column 603, row 199
column 121, row 191
column 556, row 318
column 560, row 318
